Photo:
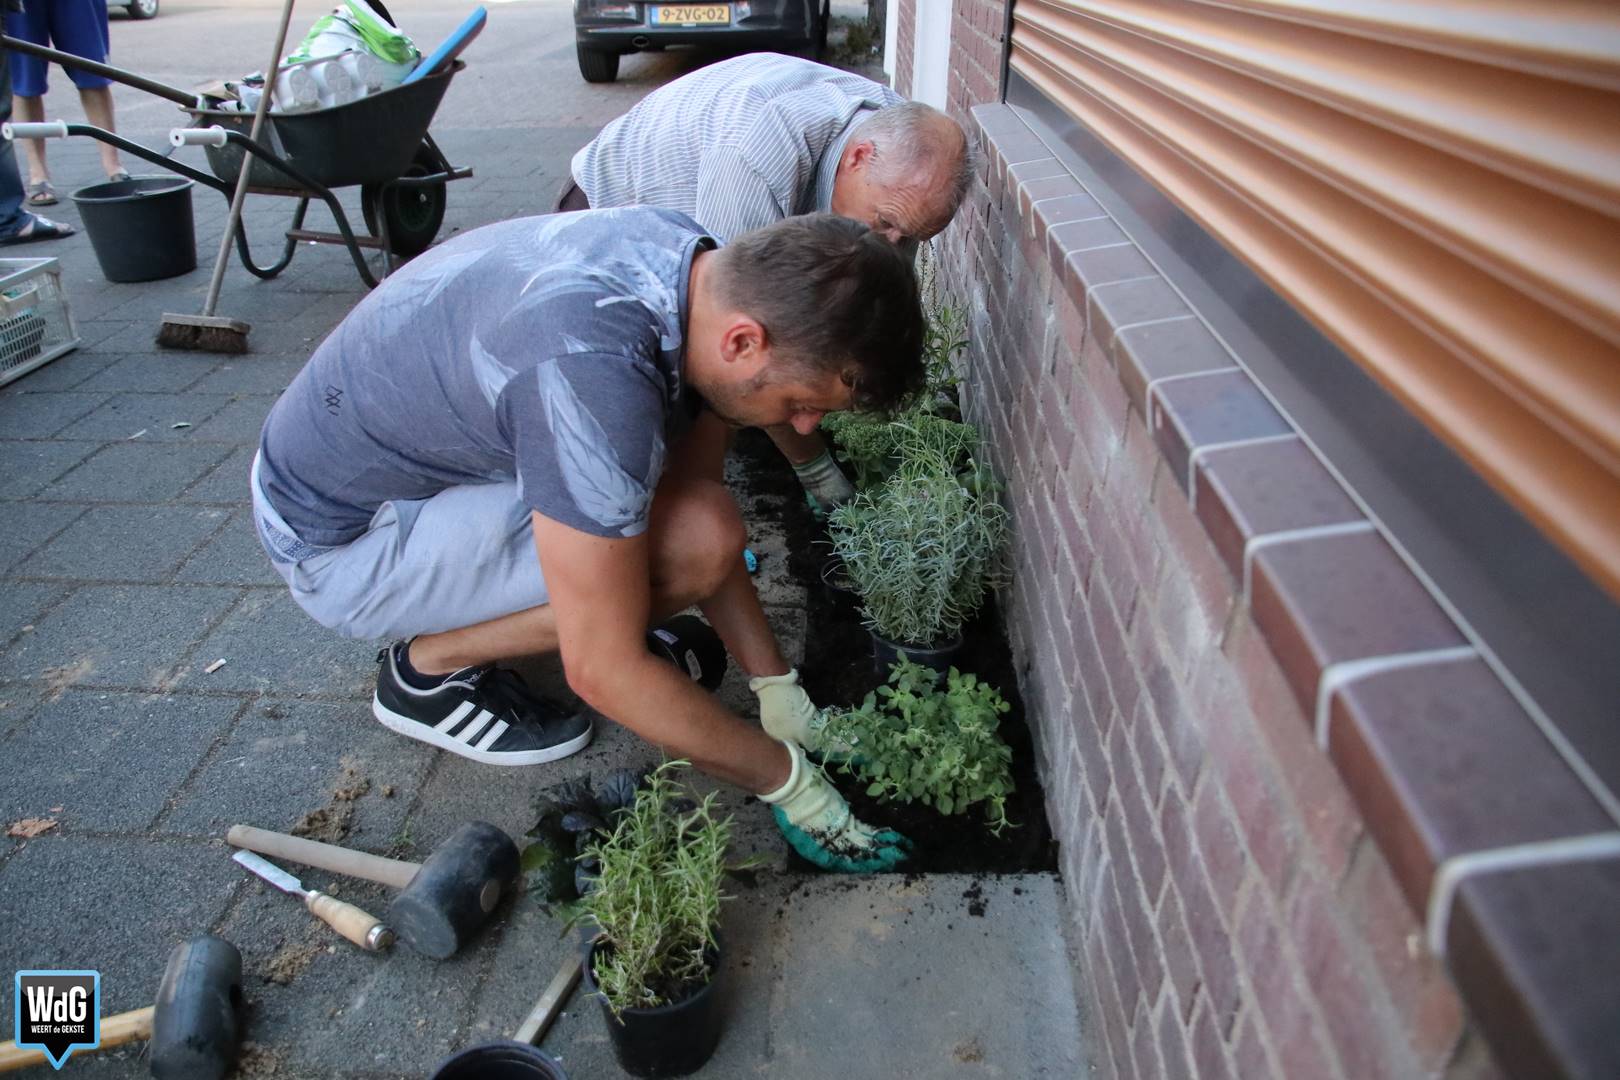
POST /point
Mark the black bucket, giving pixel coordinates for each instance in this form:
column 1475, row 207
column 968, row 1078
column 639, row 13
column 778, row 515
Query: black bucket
column 141, row 228
column 670, row 1040
column 501, row 1061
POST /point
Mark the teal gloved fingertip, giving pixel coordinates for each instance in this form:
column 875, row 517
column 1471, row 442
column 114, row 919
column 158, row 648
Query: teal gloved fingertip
column 892, row 852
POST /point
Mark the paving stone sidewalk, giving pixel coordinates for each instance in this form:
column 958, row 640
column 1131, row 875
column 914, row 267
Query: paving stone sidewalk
column 128, row 566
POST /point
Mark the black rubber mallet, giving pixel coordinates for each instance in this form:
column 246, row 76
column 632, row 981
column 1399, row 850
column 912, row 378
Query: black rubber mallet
column 442, row 901
column 193, row 1029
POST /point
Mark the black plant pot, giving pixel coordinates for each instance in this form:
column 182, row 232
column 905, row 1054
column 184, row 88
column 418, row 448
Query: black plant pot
column 501, row 1061
column 938, row 656
column 670, row 1040
column 835, row 578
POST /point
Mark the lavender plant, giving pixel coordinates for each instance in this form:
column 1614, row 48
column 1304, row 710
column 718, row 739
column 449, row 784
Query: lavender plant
column 923, row 549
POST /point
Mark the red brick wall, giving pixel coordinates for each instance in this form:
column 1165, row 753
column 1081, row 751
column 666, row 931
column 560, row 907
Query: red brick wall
column 905, row 40
column 975, row 66
column 1232, row 917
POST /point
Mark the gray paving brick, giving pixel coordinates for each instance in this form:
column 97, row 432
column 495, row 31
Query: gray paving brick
column 93, row 332
column 255, row 373
column 29, row 525
column 528, row 945
column 228, row 482
column 391, row 1014
column 116, row 635
column 239, row 421
column 17, row 704
column 461, row 790
column 139, row 471
column 23, row 602
column 270, row 645
column 152, row 414
column 108, row 761
column 151, row 372
column 63, row 373
column 27, row 467
column 114, row 905
column 233, row 557
column 39, row 415
column 286, row 758
column 125, row 543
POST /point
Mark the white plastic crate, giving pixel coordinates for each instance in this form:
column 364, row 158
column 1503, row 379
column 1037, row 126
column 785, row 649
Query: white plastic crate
column 35, row 324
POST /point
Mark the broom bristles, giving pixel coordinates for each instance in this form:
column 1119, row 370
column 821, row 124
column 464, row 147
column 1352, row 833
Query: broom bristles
column 203, row 333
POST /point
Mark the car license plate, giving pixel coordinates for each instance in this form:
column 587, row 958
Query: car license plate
column 691, row 14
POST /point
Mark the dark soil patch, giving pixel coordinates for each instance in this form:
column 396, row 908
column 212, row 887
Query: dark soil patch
column 838, row 670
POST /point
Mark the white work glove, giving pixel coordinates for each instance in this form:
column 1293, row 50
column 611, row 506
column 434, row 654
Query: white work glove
column 825, row 485
column 786, row 713
column 818, row 824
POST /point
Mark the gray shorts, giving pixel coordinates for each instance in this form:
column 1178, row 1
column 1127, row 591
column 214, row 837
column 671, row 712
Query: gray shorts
column 461, row 557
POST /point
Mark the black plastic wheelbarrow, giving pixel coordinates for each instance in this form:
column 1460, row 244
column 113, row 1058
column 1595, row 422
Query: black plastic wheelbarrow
column 379, row 142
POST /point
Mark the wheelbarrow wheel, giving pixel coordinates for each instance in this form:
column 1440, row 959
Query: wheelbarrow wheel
column 413, row 214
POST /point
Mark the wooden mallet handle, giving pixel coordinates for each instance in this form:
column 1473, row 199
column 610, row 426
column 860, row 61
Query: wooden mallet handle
column 339, row 860
column 115, row 1031
column 354, row 923
column 545, row 1010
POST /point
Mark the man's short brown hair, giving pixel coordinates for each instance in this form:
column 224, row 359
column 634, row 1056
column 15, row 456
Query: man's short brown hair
column 833, row 296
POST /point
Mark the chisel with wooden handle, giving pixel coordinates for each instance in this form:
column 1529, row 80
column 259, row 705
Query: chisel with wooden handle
column 356, row 924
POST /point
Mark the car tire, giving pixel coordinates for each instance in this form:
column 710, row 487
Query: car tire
column 142, row 9
column 596, row 65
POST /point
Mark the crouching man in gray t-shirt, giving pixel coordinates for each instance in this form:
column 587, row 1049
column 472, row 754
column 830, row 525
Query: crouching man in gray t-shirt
column 514, row 446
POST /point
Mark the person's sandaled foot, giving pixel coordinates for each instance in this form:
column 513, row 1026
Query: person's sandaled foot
column 39, row 227
column 117, row 175
column 40, row 193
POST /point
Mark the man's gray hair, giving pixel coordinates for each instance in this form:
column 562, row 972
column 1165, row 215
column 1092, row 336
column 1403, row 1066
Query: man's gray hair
column 912, row 138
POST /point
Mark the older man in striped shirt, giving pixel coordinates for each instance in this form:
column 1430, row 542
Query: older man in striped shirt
column 749, row 141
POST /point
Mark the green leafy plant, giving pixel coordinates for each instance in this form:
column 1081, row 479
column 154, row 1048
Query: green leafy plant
column 656, row 895
column 570, row 815
column 873, row 447
column 923, row 549
column 944, row 339
column 918, row 740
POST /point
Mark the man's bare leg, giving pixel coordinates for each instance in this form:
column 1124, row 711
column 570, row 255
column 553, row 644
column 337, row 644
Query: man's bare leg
column 98, row 109
column 31, row 110
column 684, row 540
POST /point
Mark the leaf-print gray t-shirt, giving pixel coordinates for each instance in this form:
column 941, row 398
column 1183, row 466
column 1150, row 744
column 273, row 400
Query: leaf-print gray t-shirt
column 547, row 349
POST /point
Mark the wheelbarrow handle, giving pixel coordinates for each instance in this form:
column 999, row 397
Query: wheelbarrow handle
column 208, row 136
column 106, row 71
column 50, row 129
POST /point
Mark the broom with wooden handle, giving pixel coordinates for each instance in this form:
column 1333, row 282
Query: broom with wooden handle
column 206, row 331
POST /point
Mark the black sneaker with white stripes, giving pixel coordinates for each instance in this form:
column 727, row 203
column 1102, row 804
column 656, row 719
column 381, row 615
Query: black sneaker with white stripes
column 483, row 713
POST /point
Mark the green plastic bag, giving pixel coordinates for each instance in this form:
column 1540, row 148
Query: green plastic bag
column 356, row 25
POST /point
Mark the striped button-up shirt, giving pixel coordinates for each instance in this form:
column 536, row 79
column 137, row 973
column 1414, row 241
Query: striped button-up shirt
column 736, row 145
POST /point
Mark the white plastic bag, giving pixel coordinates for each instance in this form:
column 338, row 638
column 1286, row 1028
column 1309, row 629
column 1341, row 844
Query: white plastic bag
column 346, row 55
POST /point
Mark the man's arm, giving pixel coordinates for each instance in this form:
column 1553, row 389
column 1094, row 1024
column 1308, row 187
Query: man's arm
column 602, row 601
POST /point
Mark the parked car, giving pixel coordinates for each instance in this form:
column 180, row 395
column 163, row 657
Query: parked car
column 604, row 30
column 136, row 9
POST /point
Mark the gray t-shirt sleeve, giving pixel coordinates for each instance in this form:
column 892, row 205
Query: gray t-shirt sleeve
column 587, row 430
